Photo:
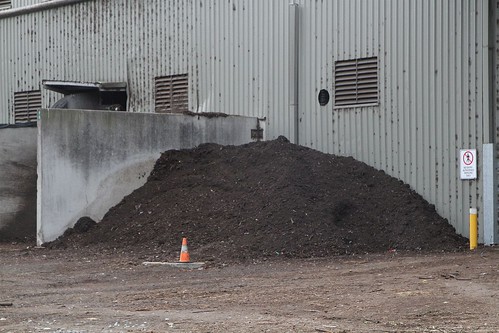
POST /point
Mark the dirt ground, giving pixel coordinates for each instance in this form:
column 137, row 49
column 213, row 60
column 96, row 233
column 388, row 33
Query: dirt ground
column 295, row 241
column 44, row 290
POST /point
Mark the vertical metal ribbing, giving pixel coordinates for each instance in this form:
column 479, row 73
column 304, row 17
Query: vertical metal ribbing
column 294, row 70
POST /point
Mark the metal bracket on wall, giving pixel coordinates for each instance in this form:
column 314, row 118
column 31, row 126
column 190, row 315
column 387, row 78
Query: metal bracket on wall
column 257, row 134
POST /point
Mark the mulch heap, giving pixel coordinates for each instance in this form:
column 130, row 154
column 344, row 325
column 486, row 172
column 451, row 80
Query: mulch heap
column 267, row 199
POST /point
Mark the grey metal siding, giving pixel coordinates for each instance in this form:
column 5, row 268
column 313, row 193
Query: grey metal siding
column 433, row 72
column 494, row 101
column 119, row 40
column 241, row 57
column 23, row 3
column 431, row 56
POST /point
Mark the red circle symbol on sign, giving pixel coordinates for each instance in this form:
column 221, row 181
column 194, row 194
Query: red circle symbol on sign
column 468, row 157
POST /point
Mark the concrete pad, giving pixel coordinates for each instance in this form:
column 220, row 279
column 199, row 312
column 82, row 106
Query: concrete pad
column 187, row 265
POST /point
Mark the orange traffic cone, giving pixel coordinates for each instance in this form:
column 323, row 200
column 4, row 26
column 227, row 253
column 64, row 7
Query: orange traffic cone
column 184, row 252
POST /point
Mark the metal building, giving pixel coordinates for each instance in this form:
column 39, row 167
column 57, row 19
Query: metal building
column 403, row 85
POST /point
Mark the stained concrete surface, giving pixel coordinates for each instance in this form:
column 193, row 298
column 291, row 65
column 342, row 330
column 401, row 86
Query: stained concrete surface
column 18, row 183
column 90, row 160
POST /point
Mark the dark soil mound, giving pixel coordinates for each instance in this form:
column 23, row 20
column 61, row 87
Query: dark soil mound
column 266, row 199
column 84, row 224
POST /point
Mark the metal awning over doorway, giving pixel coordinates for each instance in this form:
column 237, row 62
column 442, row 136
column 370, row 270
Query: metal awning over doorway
column 89, row 95
column 76, row 87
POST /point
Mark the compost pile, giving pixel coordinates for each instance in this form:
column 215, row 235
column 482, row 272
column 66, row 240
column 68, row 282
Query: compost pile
column 267, row 199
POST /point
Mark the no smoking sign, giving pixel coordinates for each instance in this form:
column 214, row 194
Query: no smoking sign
column 468, row 164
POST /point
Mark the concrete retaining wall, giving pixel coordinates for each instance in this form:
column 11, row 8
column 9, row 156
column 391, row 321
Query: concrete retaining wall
column 90, row 160
column 17, row 183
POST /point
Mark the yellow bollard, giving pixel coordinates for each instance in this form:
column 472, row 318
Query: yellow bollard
column 473, row 229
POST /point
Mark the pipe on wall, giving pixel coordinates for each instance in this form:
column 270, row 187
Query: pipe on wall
column 489, row 160
column 488, row 26
column 293, row 70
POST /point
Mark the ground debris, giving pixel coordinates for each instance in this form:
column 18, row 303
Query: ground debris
column 454, row 276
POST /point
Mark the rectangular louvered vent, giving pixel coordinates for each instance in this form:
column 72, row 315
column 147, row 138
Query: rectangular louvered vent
column 5, row 4
column 172, row 93
column 26, row 105
column 356, row 82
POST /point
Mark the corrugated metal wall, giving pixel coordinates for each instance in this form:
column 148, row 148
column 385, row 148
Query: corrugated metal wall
column 494, row 97
column 119, row 40
column 431, row 56
column 22, row 3
column 242, row 59
column 433, row 72
column 433, row 95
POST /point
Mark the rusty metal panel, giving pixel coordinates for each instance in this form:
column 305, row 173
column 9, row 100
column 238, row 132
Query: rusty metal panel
column 172, row 93
column 26, row 105
column 356, row 82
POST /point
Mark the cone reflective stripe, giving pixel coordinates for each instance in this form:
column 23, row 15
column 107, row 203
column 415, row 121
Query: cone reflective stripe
column 184, row 252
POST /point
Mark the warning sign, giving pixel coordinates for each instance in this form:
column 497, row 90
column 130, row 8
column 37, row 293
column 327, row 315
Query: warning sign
column 468, row 163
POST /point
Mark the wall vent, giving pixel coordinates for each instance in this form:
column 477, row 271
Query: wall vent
column 172, row 93
column 5, row 4
column 26, row 105
column 356, row 82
